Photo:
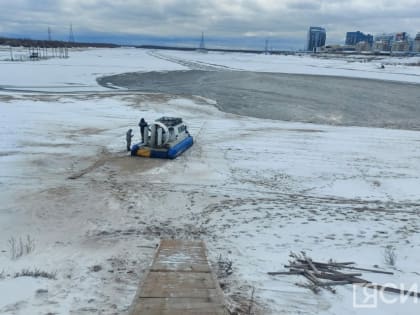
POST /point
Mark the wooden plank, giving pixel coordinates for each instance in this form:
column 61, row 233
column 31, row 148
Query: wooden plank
column 179, row 292
column 189, row 280
column 179, row 281
column 180, row 267
column 172, row 306
column 176, row 255
column 167, row 284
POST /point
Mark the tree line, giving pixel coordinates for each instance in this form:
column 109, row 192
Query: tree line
column 25, row 42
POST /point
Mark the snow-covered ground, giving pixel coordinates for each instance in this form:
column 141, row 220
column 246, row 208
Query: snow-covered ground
column 396, row 68
column 253, row 189
column 79, row 71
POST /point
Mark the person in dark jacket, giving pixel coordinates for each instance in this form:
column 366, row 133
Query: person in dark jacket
column 128, row 137
column 142, row 124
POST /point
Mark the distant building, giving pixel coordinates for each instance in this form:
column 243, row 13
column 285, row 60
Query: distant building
column 332, row 48
column 383, row 42
column 363, row 46
column 416, row 44
column 402, row 36
column 401, row 43
column 316, row 38
column 401, row 46
column 352, row 38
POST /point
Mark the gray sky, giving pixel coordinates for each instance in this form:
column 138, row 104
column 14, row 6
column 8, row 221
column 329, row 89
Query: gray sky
column 280, row 20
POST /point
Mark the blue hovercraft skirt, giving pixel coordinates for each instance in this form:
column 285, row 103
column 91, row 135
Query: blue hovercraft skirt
column 171, row 153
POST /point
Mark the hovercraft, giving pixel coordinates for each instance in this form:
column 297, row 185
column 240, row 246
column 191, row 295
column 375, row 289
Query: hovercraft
column 165, row 138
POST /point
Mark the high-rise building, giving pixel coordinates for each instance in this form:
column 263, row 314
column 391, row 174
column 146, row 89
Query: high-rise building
column 400, row 46
column 416, row 47
column 401, row 36
column 401, row 43
column 316, row 38
column 383, row 42
column 352, row 38
column 362, row 46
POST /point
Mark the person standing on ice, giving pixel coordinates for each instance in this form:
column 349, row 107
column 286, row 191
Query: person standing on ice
column 142, row 125
column 128, row 137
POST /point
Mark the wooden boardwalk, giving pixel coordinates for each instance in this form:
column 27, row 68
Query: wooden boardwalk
column 179, row 282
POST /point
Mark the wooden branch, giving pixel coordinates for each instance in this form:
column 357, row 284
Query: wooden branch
column 350, row 277
column 314, row 288
column 329, row 263
column 357, row 280
column 316, row 272
column 285, row 273
column 370, row 270
column 309, row 261
column 307, row 274
column 328, row 283
column 341, row 265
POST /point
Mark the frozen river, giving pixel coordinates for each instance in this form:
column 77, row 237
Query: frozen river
column 290, row 97
column 252, row 189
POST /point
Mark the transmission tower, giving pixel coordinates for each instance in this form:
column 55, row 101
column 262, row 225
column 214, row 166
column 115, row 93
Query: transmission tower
column 202, row 46
column 49, row 33
column 266, row 47
column 71, row 35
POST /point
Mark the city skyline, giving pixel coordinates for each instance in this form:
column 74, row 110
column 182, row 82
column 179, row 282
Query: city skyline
column 285, row 23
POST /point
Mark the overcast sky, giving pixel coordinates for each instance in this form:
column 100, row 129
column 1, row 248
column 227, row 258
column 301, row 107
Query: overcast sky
column 280, row 20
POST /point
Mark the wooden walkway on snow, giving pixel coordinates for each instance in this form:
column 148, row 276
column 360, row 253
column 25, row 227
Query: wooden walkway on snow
column 179, row 282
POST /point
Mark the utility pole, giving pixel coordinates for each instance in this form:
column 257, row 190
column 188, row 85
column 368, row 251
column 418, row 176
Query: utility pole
column 266, row 47
column 49, row 33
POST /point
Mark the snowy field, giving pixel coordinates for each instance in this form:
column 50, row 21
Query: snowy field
column 252, row 189
column 396, row 68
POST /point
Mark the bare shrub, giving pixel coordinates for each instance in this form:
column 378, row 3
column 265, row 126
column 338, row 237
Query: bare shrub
column 29, row 245
column 243, row 302
column 390, row 256
column 36, row 273
column 251, row 302
column 376, row 183
column 20, row 247
column 95, row 268
column 224, row 267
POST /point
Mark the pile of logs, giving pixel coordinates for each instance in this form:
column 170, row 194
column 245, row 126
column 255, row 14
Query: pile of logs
column 326, row 275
